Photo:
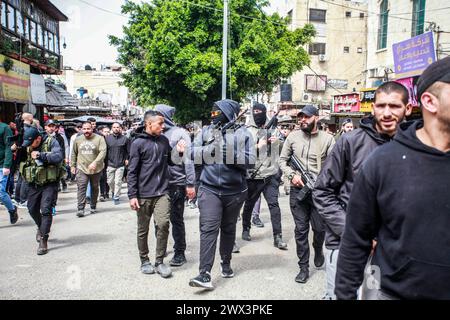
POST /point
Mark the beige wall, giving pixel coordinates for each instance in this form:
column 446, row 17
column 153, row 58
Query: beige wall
column 338, row 32
column 399, row 29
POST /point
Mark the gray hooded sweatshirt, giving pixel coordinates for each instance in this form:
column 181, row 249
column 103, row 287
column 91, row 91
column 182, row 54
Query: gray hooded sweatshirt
column 180, row 175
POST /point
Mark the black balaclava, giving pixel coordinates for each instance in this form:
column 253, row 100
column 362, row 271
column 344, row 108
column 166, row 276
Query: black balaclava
column 221, row 119
column 260, row 118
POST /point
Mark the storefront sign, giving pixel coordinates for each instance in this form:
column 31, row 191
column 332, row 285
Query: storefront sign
column 367, row 98
column 14, row 84
column 346, row 103
column 413, row 56
column 337, row 83
column 38, row 95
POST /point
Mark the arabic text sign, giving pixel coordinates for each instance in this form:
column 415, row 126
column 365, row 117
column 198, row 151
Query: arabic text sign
column 413, row 56
column 15, row 83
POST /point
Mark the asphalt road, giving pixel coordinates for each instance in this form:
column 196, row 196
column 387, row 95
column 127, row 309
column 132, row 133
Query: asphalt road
column 96, row 257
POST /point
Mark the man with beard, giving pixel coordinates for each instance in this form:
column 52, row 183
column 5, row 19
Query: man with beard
column 311, row 146
column 401, row 197
column 88, row 155
column 226, row 157
column 335, row 182
column 264, row 178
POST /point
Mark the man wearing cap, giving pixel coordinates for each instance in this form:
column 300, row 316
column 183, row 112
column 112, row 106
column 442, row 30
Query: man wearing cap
column 311, row 146
column 402, row 200
column 335, row 182
column 347, row 126
column 40, row 165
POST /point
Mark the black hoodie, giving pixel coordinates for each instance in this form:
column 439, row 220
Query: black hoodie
column 148, row 171
column 403, row 199
column 335, row 182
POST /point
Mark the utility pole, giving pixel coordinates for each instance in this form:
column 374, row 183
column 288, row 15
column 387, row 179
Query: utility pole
column 225, row 49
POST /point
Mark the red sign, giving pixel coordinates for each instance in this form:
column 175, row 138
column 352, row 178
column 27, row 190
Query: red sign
column 346, row 103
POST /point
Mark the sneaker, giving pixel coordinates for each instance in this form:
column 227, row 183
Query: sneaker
column 246, row 235
column 235, row 248
column 163, row 270
column 80, row 213
column 116, row 201
column 147, row 268
column 22, row 205
column 203, row 280
column 178, row 260
column 302, row 276
column 13, row 216
column 226, row 271
column 93, row 211
column 102, row 198
column 53, row 211
column 256, row 221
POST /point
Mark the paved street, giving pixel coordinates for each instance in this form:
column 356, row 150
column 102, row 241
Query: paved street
column 96, row 257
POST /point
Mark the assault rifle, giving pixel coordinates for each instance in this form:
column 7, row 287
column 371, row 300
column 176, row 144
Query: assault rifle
column 307, row 178
column 18, row 138
column 227, row 126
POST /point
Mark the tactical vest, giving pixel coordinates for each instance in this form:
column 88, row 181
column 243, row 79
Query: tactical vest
column 41, row 174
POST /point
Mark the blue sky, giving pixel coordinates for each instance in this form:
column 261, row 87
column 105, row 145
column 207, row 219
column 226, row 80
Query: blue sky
column 86, row 33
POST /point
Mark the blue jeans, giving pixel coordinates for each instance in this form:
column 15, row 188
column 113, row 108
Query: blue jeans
column 4, row 196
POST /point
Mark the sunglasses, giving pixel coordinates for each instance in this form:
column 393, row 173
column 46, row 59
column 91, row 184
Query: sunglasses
column 216, row 113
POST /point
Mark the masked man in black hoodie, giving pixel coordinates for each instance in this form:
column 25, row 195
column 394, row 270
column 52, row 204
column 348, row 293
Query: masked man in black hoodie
column 148, row 188
column 335, row 182
column 223, row 188
column 400, row 197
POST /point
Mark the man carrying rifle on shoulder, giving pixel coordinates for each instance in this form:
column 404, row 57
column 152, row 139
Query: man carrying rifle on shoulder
column 264, row 178
column 301, row 160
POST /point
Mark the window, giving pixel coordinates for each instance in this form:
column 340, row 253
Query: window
column 33, row 31
column 361, row 15
column 3, row 13
column 359, row 50
column 317, row 15
column 26, row 28
column 317, row 48
column 56, row 44
column 20, row 29
column 348, row 14
column 315, row 83
column 40, row 40
column 11, row 18
column 51, row 42
column 418, row 17
column 383, row 25
column 346, row 49
column 289, row 17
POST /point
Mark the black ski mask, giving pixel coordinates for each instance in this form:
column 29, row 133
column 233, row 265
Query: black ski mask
column 217, row 116
column 261, row 117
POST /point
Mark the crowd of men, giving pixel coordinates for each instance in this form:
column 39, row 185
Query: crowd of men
column 374, row 196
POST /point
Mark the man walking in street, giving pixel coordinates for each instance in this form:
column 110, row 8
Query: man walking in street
column 400, row 197
column 181, row 183
column 226, row 157
column 118, row 146
column 264, row 178
column 311, row 146
column 41, row 165
column 88, row 155
column 148, row 189
column 335, row 182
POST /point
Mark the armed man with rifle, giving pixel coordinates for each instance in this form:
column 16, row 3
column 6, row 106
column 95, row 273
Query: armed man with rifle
column 226, row 150
column 264, row 178
column 303, row 155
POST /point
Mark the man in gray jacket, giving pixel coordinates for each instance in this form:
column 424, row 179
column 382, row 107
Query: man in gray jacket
column 181, row 183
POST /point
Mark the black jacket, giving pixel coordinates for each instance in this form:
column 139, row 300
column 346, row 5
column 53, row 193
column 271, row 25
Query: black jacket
column 148, row 172
column 335, row 182
column 118, row 148
column 403, row 199
column 220, row 176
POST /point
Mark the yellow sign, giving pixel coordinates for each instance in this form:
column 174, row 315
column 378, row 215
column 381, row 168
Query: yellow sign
column 367, row 98
column 14, row 84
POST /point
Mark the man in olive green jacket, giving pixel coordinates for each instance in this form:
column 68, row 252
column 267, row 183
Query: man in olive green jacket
column 88, row 155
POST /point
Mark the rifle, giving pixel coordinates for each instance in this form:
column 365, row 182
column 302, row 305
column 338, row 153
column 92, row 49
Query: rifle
column 18, row 138
column 226, row 127
column 307, row 178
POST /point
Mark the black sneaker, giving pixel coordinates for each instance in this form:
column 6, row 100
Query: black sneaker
column 102, row 198
column 178, row 260
column 203, row 280
column 226, row 271
column 257, row 222
column 246, row 235
column 302, row 276
column 13, row 216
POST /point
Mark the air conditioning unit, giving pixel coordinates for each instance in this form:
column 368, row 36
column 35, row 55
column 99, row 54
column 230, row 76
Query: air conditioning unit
column 322, row 58
column 306, row 97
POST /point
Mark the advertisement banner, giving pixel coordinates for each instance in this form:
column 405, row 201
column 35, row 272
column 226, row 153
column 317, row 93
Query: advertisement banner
column 14, row 84
column 413, row 56
column 38, row 95
column 346, row 103
column 367, row 98
column 411, row 85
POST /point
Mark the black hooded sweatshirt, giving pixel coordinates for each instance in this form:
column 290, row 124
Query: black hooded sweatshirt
column 335, row 182
column 401, row 196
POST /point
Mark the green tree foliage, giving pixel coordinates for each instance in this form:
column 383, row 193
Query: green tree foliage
column 173, row 50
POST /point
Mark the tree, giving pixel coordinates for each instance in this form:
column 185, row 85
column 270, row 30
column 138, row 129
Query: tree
column 173, row 51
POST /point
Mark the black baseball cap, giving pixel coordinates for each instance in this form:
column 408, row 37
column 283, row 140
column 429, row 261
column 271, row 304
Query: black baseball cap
column 49, row 122
column 437, row 71
column 30, row 134
column 309, row 110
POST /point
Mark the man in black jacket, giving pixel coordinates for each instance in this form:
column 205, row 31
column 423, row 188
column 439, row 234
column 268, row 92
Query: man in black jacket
column 117, row 155
column 335, row 182
column 400, row 197
column 148, row 188
column 226, row 157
